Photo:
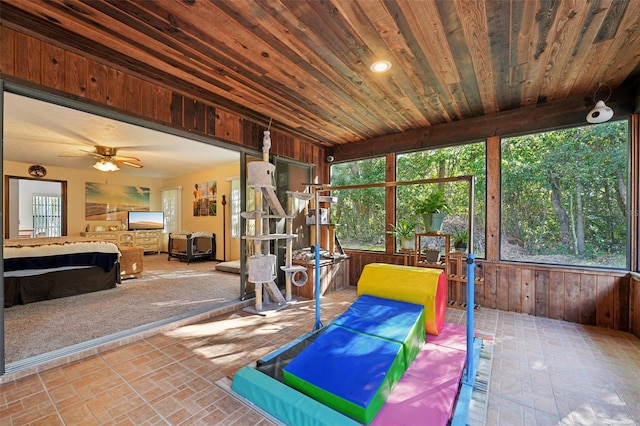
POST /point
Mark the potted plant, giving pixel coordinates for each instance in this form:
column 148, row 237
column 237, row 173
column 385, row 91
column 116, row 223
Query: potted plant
column 431, row 254
column 404, row 231
column 460, row 238
column 433, row 208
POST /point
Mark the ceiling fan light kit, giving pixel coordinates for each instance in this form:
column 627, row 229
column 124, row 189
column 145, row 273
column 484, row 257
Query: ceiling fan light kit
column 601, row 112
column 108, row 160
column 106, row 166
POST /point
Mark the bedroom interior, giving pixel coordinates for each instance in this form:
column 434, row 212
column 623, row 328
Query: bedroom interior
column 166, row 291
column 30, row 122
column 218, row 74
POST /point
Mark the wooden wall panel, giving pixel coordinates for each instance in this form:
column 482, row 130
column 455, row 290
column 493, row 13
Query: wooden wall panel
column 176, row 109
column 188, row 113
column 132, row 94
column 147, row 99
column 572, row 297
column 515, row 289
column 163, row 105
column 210, row 117
column 28, row 58
column 490, row 285
column 229, row 127
column 634, row 308
column 503, row 288
column 604, row 301
column 53, row 72
column 7, row 51
column 75, row 72
column 556, row 295
column 542, row 293
column 479, row 294
column 621, row 290
column 360, row 259
column 587, row 299
column 528, row 292
column 278, row 143
column 115, row 88
column 98, row 82
column 286, row 146
column 199, row 117
column 297, row 148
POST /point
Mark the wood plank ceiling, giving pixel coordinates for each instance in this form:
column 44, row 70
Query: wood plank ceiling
column 305, row 64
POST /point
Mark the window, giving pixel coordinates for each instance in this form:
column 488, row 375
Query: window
column 235, row 208
column 462, row 160
column 359, row 213
column 564, row 196
column 172, row 206
column 47, row 221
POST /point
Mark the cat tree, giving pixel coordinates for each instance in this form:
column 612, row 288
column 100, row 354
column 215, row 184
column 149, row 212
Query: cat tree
column 262, row 264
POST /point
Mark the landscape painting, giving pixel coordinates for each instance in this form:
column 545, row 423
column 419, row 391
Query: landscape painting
column 204, row 199
column 105, row 201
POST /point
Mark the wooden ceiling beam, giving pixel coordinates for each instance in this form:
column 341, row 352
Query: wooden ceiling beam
column 535, row 118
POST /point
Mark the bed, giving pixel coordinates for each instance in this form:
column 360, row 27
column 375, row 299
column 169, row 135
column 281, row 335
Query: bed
column 49, row 268
column 188, row 246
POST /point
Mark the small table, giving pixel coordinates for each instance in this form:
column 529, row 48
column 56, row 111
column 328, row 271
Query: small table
column 131, row 262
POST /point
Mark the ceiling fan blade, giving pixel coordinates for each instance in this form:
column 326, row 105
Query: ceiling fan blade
column 93, row 153
column 127, row 163
column 119, row 158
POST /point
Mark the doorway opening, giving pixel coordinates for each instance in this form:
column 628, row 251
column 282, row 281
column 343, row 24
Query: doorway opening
column 35, row 208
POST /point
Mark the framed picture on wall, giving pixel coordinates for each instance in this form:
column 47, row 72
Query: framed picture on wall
column 112, row 202
column 205, row 198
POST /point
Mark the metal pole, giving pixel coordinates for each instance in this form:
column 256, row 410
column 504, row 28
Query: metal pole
column 471, row 374
column 318, row 324
column 471, row 268
column 224, row 229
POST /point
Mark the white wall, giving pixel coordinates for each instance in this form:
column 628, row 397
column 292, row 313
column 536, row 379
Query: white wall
column 26, row 190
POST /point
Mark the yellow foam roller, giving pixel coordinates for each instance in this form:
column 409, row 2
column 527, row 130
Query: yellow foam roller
column 422, row 286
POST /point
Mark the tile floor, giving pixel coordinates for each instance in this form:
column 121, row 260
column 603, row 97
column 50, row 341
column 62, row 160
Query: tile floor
column 544, row 372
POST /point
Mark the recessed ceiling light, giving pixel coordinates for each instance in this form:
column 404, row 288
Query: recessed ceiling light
column 380, row 66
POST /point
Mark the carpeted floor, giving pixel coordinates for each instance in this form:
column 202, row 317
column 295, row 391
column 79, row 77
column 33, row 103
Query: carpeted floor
column 165, row 290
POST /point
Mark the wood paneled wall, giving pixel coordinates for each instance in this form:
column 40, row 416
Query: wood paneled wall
column 634, row 306
column 590, row 297
column 36, row 63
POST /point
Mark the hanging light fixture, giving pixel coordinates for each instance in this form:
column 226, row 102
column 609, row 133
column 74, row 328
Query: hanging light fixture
column 601, row 112
column 106, row 166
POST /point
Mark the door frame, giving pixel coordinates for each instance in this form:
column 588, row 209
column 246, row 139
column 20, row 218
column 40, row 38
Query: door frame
column 7, row 197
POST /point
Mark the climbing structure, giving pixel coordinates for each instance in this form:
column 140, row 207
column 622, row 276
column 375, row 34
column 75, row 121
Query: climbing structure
column 262, row 264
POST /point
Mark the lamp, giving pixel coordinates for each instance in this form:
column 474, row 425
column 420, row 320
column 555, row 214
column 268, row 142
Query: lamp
column 601, row 112
column 106, row 166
